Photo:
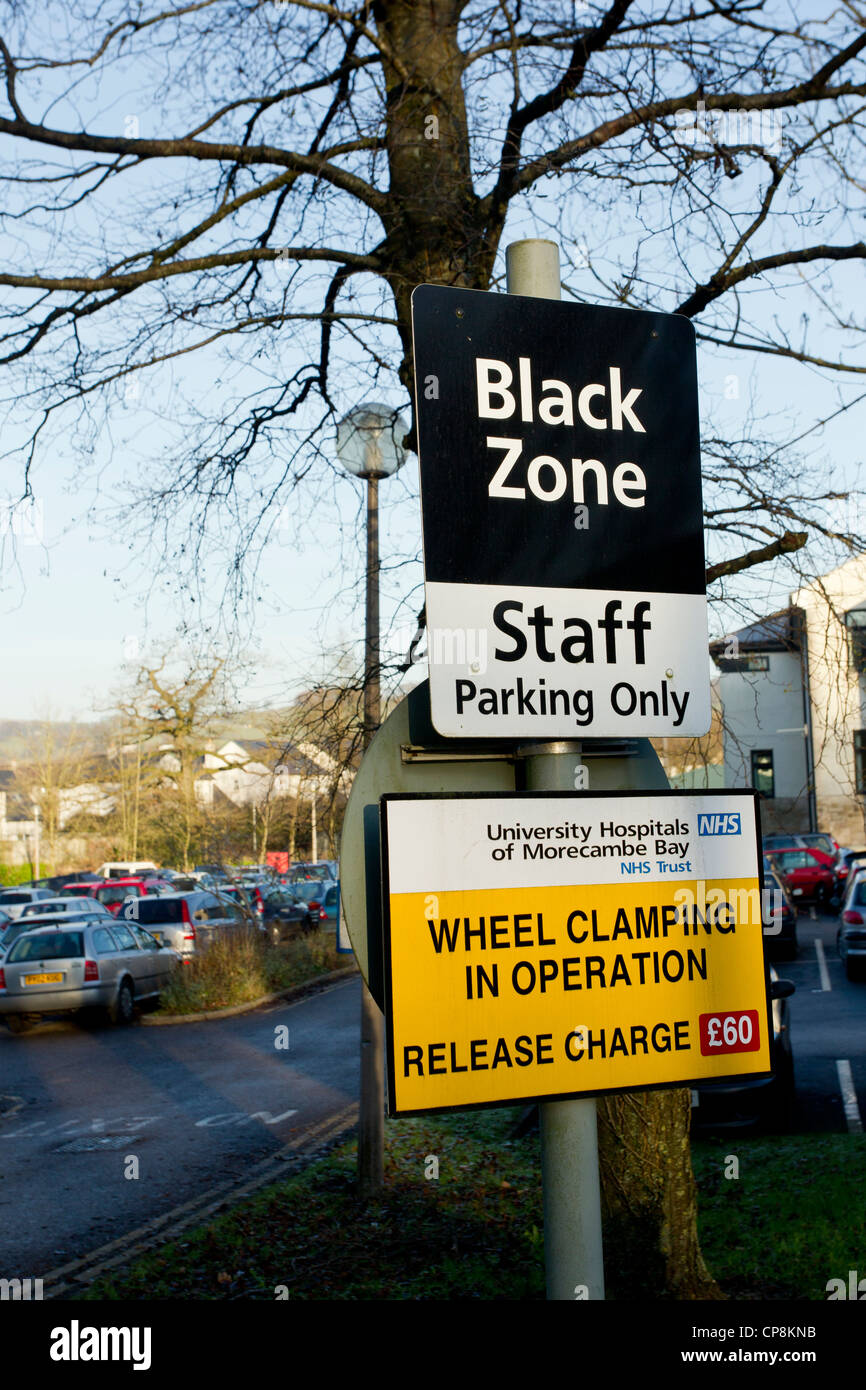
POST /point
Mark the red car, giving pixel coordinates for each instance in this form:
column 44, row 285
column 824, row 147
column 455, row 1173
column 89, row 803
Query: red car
column 112, row 892
column 807, row 874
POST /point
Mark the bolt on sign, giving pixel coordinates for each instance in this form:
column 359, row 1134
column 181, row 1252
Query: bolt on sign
column 545, row 945
column 562, row 516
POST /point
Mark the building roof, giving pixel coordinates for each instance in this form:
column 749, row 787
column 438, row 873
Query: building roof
column 778, row 632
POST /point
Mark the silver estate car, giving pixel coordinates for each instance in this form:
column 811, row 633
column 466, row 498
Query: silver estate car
column 81, row 965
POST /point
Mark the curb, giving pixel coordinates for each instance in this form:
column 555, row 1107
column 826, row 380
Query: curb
column 294, row 992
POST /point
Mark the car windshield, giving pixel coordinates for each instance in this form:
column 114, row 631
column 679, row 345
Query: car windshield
column 47, row 946
column 796, row 860
column 308, row 891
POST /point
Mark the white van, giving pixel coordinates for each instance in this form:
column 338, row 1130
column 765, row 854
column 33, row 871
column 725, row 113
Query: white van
column 138, row 868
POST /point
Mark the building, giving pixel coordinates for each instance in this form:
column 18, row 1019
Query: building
column 793, row 694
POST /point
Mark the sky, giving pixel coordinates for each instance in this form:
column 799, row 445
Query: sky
column 83, row 600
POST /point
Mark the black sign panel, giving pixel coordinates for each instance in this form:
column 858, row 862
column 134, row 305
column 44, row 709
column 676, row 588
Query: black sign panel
column 606, row 398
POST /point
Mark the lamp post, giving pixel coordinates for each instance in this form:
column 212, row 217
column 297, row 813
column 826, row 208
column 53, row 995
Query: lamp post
column 369, row 446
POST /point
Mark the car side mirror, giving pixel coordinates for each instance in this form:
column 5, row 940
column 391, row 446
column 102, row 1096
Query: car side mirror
column 782, row 989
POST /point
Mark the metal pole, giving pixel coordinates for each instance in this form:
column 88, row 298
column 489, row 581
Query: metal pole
column 371, row 1119
column 36, row 851
column 569, row 1136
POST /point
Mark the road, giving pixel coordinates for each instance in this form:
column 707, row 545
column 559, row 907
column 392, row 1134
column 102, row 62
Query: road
column 828, row 1028
column 203, row 1108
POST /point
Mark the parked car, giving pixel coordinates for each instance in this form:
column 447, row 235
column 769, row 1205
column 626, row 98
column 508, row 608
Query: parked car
column 331, row 902
column 112, row 894
column 130, row 869
column 313, row 894
column 803, row 873
column 12, row 900
column 69, row 966
column 284, row 916
column 321, row 868
column 780, row 918
column 60, row 882
column 81, row 915
column 847, row 862
column 188, row 922
column 54, row 906
column 238, row 893
column 851, row 934
column 806, row 839
column 766, row 1101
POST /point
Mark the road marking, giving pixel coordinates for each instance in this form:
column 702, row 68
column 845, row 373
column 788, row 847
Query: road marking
column 822, row 965
column 232, row 1117
column 67, row 1280
column 849, row 1098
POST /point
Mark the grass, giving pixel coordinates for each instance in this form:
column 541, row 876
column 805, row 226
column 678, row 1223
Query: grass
column 240, row 968
column 794, row 1218
column 13, row 874
column 471, row 1233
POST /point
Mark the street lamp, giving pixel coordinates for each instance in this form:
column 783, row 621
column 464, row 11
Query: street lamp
column 370, row 446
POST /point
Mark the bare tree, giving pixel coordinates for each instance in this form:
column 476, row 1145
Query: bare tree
column 56, row 760
column 354, row 153
column 173, row 708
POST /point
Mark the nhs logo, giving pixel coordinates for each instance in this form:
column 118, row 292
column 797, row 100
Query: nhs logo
column 719, row 823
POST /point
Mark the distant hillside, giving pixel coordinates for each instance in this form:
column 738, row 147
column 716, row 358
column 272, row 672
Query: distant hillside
column 19, row 738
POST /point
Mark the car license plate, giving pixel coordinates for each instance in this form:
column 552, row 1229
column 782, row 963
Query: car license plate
column 797, row 892
column 55, row 979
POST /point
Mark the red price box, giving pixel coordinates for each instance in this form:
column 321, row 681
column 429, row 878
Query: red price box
column 734, row 1032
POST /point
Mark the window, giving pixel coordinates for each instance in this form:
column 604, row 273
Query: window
column 762, row 771
column 743, row 663
column 860, row 760
column 855, row 621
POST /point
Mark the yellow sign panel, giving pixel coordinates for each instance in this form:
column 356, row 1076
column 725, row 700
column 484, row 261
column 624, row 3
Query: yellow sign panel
column 518, row 991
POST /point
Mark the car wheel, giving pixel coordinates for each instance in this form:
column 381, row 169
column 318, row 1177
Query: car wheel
column 853, row 969
column 21, row 1023
column 122, row 1011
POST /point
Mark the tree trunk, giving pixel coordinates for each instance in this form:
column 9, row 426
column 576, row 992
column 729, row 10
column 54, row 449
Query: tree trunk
column 435, row 229
column 649, row 1206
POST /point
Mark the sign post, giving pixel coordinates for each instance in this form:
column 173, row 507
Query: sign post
column 573, row 1254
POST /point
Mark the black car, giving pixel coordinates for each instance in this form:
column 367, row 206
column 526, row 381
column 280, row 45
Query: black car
column 284, row 915
column 759, row 1101
column 779, row 917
